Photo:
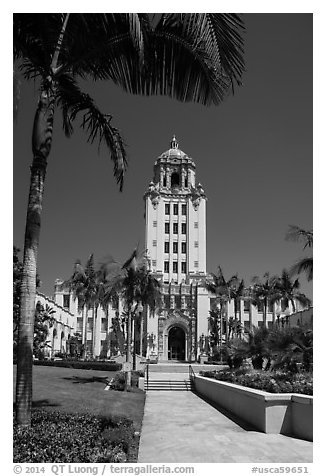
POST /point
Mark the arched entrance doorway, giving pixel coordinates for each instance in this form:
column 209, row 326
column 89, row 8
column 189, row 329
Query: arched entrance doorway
column 176, row 343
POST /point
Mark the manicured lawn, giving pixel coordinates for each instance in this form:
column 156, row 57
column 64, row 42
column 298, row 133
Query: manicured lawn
column 82, row 391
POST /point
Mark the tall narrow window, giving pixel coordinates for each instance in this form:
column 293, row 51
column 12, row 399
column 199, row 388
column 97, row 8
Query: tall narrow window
column 183, row 228
column 183, row 247
column 175, row 209
column 175, row 247
column 167, row 209
column 186, row 182
column 166, row 247
column 184, row 209
column 175, row 266
column 166, row 267
column 175, row 228
column 183, row 267
column 167, row 227
column 164, row 181
column 66, row 300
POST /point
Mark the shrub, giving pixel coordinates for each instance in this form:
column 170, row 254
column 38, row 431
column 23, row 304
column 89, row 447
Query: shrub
column 75, row 364
column 73, row 438
column 236, row 351
column 119, row 380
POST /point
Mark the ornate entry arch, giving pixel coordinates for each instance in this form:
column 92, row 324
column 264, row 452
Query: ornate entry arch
column 175, row 341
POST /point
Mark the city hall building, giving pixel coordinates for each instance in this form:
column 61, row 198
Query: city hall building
column 175, row 239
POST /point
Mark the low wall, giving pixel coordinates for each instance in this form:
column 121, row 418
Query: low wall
column 286, row 413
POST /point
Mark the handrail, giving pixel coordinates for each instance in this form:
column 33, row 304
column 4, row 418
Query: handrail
column 147, row 375
column 192, row 374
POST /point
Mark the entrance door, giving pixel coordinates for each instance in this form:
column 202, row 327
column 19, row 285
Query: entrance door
column 176, row 344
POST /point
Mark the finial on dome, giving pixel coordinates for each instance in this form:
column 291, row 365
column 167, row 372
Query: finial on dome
column 174, row 143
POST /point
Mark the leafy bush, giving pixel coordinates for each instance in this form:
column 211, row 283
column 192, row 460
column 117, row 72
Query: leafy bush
column 73, row 438
column 75, row 364
column 272, row 381
column 236, row 351
column 119, row 380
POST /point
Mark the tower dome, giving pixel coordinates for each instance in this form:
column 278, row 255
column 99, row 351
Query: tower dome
column 174, row 150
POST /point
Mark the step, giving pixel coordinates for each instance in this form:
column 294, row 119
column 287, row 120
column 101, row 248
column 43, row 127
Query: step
column 180, row 385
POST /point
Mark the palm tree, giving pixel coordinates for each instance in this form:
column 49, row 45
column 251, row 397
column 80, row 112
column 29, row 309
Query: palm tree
column 287, row 291
column 137, row 287
column 225, row 291
column 237, row 292
column 190, row 57
column 83, row 285
column 304, row 265
column 263, row 292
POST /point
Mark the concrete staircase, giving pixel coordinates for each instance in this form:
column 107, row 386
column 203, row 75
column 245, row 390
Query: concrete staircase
column 162, row 384
column 172, row 376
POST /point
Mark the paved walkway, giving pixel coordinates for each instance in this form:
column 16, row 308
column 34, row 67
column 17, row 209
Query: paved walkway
column 180, row 427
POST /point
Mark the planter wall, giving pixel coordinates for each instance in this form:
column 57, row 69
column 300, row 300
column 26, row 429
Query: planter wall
column 289, row 414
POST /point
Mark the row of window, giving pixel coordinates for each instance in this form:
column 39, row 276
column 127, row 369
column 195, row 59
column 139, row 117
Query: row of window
column 175, row 227
column 175, row 246
column 175, row 267
column 176, row 209
column 246, row 306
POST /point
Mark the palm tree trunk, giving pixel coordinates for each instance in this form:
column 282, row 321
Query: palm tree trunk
column 94, row 328
column 134, row 355
column 108, row 333
column 240, row 317
column 250, row 316
column 128, row 354
column 141, row 335
column 41, row 144
column 85, row 322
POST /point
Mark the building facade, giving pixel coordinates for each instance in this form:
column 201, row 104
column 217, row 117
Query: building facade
column 175, row 240
column 62, row 329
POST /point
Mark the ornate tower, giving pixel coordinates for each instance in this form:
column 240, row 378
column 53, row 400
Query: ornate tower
column 176, row 218
column 175, row 239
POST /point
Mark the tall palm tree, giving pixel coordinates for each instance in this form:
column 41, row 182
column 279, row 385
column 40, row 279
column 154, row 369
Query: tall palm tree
column 83, row 285
column 237, row 292
column 224, row 290
column 137, row 287
column 287, row 290
column 264, row 292
column 190, row 57
column 303, row 265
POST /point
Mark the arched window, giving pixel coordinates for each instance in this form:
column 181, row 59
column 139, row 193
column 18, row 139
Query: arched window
column 164, row 181
column 175, row 179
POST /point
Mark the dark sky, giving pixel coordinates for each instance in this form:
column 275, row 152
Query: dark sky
column 253, row 155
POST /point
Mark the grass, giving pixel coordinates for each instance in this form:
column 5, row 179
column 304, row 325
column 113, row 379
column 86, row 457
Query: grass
column 82, row 391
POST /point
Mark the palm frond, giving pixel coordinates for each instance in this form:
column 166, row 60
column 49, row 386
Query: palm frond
column 304, row 265
column 223, row 42
column 97, row 125
column 296, row 233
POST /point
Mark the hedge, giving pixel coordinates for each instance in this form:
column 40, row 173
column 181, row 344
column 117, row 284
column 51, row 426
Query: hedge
column 73, row 438
column 75, row 364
